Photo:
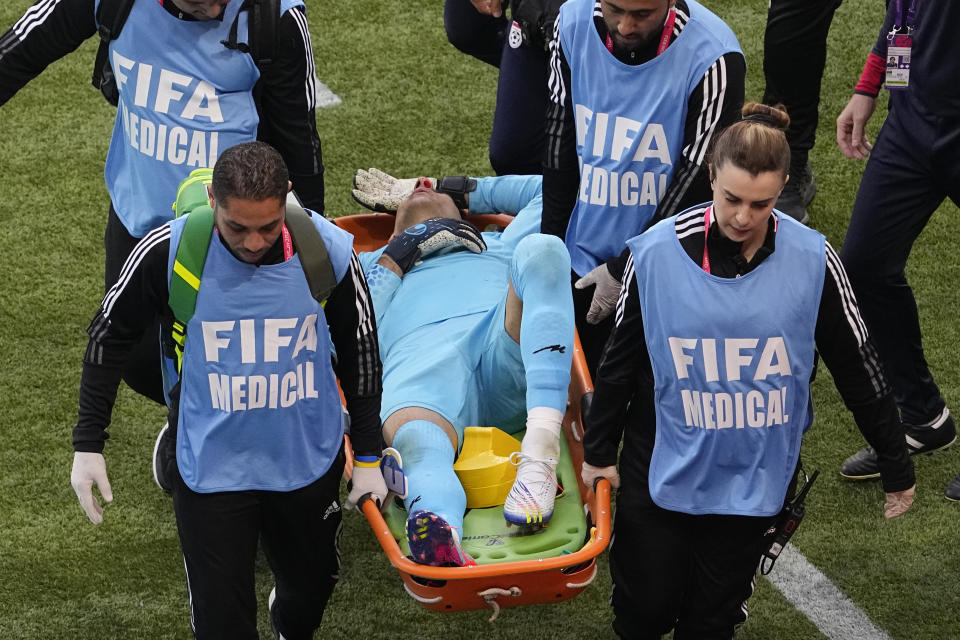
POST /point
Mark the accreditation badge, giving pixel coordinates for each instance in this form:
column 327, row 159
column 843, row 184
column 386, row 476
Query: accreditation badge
column 898, row 61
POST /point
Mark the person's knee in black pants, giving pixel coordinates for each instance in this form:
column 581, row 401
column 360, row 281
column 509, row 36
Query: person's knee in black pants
column 722, row 577
column 300, row 534
column 593, row 337
column 518, row 138
column 218, row 536
column 648, row 569
column 474, row 33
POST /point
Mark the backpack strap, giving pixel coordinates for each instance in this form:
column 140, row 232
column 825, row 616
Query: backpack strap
column 111, row 16
column 265, row 16
column 187, row 270
column 314, row 257
column 263, row 21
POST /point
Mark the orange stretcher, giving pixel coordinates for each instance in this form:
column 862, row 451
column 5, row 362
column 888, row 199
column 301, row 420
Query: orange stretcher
column 551, row 568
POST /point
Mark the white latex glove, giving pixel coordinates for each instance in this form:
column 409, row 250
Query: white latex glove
column 90, row 469
column 366, row 480
column 851, row 126
column 898, row 502
column 379, row 191
column 604, row 296
column 590, row 474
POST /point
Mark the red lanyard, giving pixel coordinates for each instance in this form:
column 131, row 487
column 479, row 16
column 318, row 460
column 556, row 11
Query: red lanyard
column 706, row 232
column 667, row 30
column 287, row 243
column 664, row 37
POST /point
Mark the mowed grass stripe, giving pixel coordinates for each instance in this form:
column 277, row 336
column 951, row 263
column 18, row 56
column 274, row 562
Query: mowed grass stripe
column 806, row 588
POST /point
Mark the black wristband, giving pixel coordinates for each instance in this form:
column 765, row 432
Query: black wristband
column 457, row 187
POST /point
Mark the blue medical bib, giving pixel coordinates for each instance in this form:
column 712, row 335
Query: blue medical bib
column 732, row 359
column 629, row 124
column 259, row 406
column 184, row 98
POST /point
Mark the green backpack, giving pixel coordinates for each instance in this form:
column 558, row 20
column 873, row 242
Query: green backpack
column 195, row 241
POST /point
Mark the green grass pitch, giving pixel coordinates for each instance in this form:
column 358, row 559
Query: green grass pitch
column 412, row 105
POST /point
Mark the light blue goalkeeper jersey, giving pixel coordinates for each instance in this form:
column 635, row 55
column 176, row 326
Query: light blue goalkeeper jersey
column 430, row 320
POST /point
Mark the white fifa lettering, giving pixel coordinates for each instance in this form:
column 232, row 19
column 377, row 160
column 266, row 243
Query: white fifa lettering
column 681, row 360
column 176, row 145
column 238, row 392
column 288, row 389
column 203, row 94
column 653, row 144
column 273, row 340
column 248, row 341
column 198, row 150
column 165, row 90
column 256, row 392
column 622, row 138
column 735, row 360
column 121, row 64
column 599, row 184
column 307, row 338
column 213, row 343
column 582, row 117
column 144, row 73
column 219, row 391
column 599, row 133
column 773, row 360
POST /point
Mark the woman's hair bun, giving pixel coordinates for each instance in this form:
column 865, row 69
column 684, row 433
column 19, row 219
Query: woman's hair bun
column 773, row 116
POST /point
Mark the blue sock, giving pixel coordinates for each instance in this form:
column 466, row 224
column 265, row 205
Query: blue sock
column 432, row 484
column 540, row 273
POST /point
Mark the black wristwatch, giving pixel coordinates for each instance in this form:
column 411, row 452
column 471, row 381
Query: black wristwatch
column 457, row 187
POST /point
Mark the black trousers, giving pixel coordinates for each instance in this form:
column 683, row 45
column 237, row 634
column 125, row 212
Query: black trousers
column 299, row 532
column 518, row 137
column 691, row 574
column 142, row 372
column 794, row 55
column 593, row 337
column 914, row 166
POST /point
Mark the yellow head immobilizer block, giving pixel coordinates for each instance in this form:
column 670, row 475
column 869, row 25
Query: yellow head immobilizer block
column 484, row 466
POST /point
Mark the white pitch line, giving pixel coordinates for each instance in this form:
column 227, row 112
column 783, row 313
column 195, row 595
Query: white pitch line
column 813, row 595
column 326, row 97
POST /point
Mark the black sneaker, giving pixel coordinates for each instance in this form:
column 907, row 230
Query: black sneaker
column 927, row 438
column 953, row 489
column 158, row 474
column 798, row 192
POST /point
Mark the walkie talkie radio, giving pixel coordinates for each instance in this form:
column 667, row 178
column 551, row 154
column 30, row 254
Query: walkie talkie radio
column 786, row 524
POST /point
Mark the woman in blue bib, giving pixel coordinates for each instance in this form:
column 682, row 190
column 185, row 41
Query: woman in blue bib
column 709, row 366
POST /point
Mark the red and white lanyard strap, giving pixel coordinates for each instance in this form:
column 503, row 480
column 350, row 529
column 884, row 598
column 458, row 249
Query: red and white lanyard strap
column 287, row 243
column 664, row 37
column 706, row 232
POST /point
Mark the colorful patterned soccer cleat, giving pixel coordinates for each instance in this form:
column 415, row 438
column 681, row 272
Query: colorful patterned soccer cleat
column 434, row 542
column 530, row 501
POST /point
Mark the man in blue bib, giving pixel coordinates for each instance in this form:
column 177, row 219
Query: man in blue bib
column 187, row 88
column 637, row 90
column 469, row 338
column 255, row 443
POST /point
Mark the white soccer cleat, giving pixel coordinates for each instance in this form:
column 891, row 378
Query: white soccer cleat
column 530, row 501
